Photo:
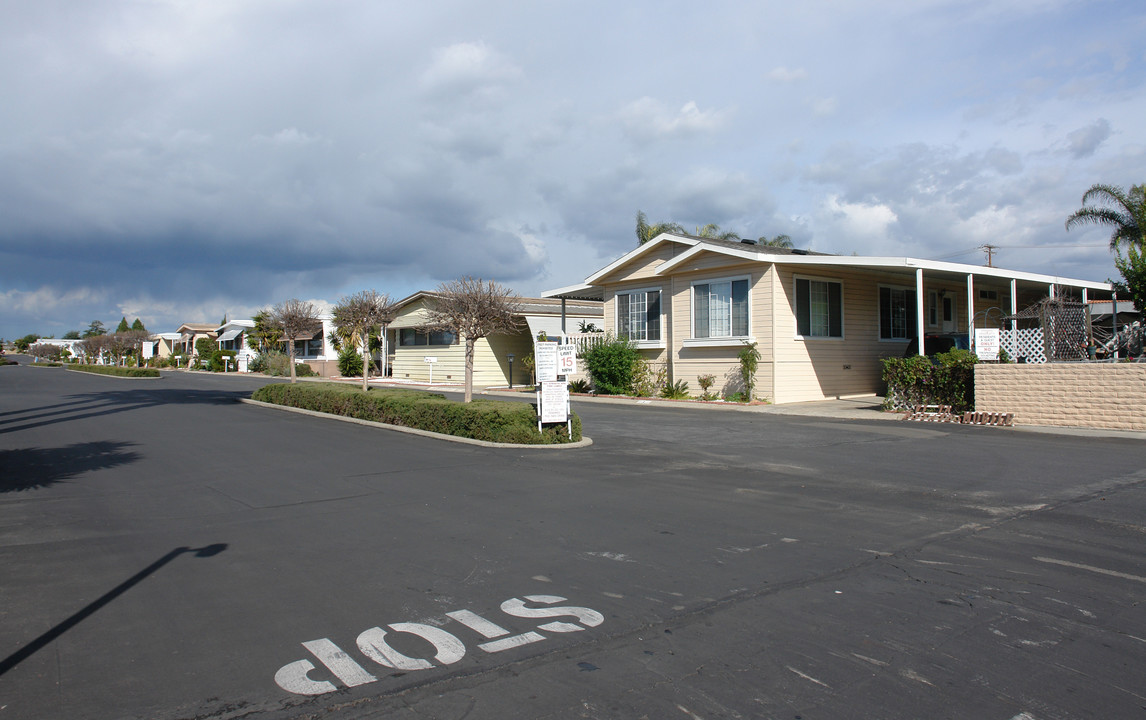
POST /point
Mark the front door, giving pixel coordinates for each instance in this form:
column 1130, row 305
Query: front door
column 948, row 314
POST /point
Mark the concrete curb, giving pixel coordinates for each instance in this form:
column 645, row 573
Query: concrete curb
column 582, row 443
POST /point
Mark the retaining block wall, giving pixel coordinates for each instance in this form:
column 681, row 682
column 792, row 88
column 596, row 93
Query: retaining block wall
column 1098, row 395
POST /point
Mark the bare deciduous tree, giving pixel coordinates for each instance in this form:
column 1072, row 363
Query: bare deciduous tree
column 472, row 309
column 357, row 316
column 297, row 320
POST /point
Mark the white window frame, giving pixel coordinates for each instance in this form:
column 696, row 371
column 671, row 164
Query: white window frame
column 796, row 308
column 660, row 343
column 910, row 330
column 721, row 340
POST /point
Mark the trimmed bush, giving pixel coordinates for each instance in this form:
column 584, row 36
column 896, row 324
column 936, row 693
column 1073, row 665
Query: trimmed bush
column 944, row 379
column 217, row 363
column 491, row 420
column 612, row 365
column 117, row 371
column 45, row 364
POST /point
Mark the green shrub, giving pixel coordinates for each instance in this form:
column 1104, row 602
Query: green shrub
column 749, row 360
column 117, row 371
column 705, row 382
column 944, row 379
column 483, row 419
column 301, row 369
column 45, row 364
column 676, row 391
column 217, row 363
column 580, row 385
column 612, row 366
column 349, row 362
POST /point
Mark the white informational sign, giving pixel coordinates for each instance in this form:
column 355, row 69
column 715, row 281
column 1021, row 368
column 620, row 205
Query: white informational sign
column 243, row 363
column 429, row 359
column 554, row 402
column 148, row 350
column 566, row 360
column 545, row 361
column 987, row 343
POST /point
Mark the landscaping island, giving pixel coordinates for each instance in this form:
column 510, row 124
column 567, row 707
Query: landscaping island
column 114, row 370
column 499, row 421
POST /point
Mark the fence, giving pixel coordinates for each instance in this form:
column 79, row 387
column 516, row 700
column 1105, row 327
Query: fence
column 586, row 341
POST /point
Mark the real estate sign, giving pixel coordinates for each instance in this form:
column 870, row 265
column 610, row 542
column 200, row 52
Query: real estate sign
column 545, row 361
column 987, row 343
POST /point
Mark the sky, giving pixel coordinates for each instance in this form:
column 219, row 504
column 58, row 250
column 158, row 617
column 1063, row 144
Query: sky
column 185, row 160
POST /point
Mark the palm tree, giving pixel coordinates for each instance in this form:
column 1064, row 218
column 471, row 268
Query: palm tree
column 646, row 232
column 780, row 241
column 712, row 231
column 1126, row 214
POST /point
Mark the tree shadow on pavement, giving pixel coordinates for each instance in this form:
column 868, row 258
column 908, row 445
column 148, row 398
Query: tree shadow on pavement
column 96, row 404
column 31, row 468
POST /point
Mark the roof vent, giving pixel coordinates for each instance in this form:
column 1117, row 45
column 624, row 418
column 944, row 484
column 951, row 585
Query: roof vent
column 747, row 241
column 796, row 251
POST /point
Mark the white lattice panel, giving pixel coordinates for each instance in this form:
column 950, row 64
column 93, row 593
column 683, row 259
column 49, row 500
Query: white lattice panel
column 1024, row 343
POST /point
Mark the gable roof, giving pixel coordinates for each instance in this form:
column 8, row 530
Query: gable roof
column 752, row 252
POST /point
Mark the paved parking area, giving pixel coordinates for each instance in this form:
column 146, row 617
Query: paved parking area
column 168, row 552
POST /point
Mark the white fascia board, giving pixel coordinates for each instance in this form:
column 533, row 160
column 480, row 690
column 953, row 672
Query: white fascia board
column 703, row 247
column 637, row 252
column 917, row 263
column 567, row 290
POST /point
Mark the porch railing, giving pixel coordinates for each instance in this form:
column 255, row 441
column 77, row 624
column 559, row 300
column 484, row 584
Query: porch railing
column 585, row 341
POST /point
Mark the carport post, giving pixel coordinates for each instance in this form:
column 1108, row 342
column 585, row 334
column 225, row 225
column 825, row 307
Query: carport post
column 562, row 316
column 919, row 320
column 970, row 311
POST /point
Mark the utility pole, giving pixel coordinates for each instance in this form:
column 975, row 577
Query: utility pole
column 990, row 250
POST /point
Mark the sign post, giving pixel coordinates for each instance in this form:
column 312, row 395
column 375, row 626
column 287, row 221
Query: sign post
column 431, row 360
column 553, row 364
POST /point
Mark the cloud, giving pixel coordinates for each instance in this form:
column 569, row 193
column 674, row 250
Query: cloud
column 824, row 107
column 468, row 67
column 786, row 75
column 859, row 221
column 1084, row 141
column 647, row 119
column 289, row 136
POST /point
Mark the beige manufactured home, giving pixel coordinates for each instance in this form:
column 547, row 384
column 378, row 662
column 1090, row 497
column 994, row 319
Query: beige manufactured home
column 820, row 322
column 415, row 353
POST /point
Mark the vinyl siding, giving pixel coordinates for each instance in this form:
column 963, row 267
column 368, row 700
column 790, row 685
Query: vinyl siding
column 723, row 361
column 814, row 368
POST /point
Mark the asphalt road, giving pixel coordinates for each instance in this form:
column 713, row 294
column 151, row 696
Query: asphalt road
column 165, row 552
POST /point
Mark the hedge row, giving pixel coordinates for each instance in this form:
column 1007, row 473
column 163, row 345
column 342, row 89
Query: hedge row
column 491, row 420
column 117, row 371
column 944, row 379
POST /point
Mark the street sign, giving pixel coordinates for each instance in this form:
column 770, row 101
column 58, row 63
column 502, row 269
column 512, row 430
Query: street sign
column 566, row 360
column 545, row 361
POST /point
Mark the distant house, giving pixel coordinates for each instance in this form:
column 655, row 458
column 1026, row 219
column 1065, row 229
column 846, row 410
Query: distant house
column 233, row 335
column 165, row 343
column 189, row 334
column 409, row 344
column 820, row 322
